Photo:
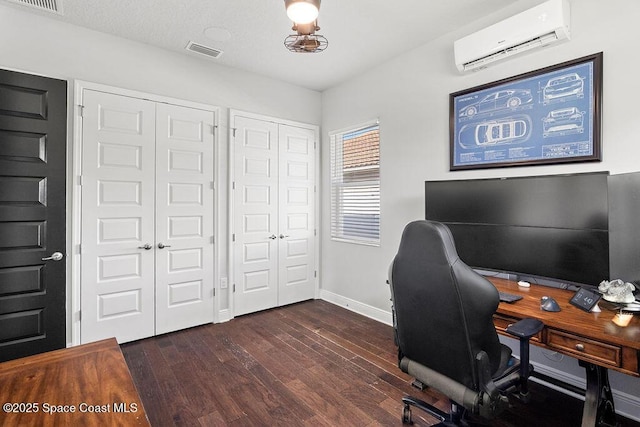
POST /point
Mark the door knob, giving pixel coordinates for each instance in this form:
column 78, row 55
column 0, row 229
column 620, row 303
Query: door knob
column 146, row 246
column 56, row 256
column 282, row 236
column 273, row 237
column 162, row 245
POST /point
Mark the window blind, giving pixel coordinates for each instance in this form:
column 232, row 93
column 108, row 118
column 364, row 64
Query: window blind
column 355, row 185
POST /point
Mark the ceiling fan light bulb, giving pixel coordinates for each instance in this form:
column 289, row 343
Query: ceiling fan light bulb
column 302, row 12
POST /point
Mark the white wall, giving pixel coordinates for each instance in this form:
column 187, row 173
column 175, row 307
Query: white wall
column 410, row 95
column 41, row 45
column 45, row 46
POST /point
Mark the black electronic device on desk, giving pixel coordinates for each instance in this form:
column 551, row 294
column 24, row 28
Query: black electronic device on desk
column 520, row 226
column 509, row 298
column 585, row 299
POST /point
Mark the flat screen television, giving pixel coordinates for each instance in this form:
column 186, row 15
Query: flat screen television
column 551, row 230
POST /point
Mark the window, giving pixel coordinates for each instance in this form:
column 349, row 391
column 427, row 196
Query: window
column 355, row 185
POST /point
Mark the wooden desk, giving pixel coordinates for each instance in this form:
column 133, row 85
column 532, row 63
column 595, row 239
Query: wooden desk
column 592, row 338
column 87, row 385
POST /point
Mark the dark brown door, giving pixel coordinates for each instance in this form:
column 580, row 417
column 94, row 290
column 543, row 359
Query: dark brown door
column 33, row 123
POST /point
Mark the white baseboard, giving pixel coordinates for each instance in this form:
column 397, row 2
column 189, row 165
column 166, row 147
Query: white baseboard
column 358, row 307
column 224, row 315
column 626, row 404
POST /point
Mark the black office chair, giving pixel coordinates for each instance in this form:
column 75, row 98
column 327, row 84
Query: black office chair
column 443, row 320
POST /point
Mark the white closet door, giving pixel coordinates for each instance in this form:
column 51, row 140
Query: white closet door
column 296, row 214
column 184, row 217
column 117, row 275
column 255, row 215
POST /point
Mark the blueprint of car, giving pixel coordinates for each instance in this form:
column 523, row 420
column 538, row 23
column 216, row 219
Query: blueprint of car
column 563, row 121
column 536, row 117
column 510, row 99
column 510, row 130
column 563, row 88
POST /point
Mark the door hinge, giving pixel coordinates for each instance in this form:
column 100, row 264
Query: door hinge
column 80, row 180
column 81, row 110
column 234, row 288
column 214, row 292
column 233, row 237
column 315, row 145
column 213, row 240
column 213, row 185
column 315, row 231
column 233, row 130
column 80, row 249
column 233, row 185
column 79, row 315
column 214, row 128
column 315, row 273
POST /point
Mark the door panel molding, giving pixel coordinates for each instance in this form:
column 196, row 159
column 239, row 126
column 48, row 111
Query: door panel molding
column 297, row 214
column 117, row 274
column 129, row 227
column 33, row 150
column 255, row 201
column 274, row 209
column 184, row 217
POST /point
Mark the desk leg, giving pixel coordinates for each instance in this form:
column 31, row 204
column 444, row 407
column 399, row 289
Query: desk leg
column 598, row 402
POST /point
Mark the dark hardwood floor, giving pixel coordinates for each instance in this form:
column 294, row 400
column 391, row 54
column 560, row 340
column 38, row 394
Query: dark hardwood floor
column 311, row 363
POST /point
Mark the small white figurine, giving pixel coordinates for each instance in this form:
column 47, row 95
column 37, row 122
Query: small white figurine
column 617, row 291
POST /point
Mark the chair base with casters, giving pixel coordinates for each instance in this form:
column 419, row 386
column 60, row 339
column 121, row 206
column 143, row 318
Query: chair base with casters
column 492, row 397
column 446, row 419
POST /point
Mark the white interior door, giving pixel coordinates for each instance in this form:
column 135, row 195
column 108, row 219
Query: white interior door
column 184, row 217
column 118, row 180
column 147, row 217
column 274, row 214
column 255, row 215
column 296, row 214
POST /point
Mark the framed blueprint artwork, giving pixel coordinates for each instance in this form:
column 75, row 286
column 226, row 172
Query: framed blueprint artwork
column 551, row 115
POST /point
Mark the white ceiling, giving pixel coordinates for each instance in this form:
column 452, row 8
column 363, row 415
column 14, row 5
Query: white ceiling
column 361, row 33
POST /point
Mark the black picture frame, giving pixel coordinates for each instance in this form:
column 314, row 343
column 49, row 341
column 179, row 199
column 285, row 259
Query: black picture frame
column 547, row 116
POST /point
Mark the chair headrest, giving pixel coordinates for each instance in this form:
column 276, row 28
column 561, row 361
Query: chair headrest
column 429, row 237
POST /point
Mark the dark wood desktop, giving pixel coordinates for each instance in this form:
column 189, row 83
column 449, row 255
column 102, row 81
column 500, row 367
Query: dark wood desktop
column 87, row 385
column 592, row 338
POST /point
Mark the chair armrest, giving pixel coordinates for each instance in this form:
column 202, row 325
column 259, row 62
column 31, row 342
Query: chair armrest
column 525, row 328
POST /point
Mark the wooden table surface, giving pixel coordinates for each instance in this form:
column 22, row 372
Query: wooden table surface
column 576, row 327
column 87, row 385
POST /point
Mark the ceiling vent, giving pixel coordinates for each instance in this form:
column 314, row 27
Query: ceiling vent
column 53, row 6
column 204, row 50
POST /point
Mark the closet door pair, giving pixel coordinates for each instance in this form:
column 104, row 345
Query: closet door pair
column 274, row 214
column 147, row 217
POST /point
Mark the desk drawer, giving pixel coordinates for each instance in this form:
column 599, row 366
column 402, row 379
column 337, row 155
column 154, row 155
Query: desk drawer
column 585, row 349
column 501, row 323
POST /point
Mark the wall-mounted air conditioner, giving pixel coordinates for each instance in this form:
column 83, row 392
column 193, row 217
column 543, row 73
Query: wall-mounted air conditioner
column 542, row 25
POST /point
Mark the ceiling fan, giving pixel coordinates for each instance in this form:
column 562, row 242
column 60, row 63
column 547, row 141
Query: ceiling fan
column 304, row 14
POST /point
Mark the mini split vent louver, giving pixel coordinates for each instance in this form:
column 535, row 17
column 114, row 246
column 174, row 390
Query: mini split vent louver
column 53, row 6
column 544, row 25
column 203, row 50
